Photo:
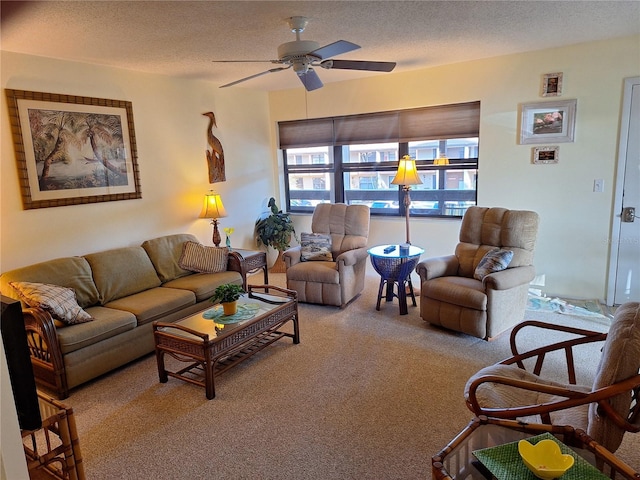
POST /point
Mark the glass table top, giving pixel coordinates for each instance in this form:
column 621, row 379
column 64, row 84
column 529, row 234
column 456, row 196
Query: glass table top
column 398, row 252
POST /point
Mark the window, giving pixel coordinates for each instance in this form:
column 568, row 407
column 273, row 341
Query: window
column 354, row 159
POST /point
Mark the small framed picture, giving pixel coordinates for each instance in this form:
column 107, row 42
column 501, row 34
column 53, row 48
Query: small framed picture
column 543, row 155
column 550, row 121
column 552, row 84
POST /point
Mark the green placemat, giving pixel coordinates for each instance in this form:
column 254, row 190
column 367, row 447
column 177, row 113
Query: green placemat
column 505, row 463
column 246, row 311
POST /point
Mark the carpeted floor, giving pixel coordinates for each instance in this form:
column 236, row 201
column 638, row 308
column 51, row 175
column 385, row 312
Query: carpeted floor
column 365, row 395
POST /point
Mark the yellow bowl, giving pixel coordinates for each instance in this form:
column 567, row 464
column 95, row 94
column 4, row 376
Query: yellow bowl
column 545, row 459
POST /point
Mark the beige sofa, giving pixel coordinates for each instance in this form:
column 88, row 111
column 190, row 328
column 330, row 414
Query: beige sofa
column 124, row 290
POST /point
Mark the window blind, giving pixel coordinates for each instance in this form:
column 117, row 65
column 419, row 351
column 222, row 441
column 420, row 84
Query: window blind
column 426, row 123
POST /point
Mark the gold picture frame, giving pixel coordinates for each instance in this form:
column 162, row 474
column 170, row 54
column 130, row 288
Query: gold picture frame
column 73, row 150
column 545, row 155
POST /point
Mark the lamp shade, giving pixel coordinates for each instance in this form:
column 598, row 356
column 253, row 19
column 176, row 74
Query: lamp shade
column 213, row 207
column 407, row 173
column 441, row 160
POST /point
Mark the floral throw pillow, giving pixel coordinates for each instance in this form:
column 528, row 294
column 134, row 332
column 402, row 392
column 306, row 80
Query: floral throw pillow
column 200, row 258
column 493, row 261
column 315, row 247
column 60, row 302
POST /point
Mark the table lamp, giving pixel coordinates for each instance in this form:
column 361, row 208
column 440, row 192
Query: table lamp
column 406, row 176
column 213, row 209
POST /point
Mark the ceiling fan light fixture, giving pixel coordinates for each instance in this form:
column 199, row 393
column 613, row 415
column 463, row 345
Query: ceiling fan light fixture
column 301, row 66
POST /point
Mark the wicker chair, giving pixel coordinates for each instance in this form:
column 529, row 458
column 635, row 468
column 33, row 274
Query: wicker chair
column 605, row 410
column 452, row 298
column 339, row 281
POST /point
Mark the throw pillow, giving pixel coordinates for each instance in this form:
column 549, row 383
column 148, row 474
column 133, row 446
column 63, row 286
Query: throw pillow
column 60, row 302
column 493, row 261
column 200, row 258
column 315, row 247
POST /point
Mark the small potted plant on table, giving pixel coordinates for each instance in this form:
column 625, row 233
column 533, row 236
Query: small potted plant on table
column 228, row 295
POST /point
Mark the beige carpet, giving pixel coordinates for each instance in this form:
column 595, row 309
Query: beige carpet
column 365, row 395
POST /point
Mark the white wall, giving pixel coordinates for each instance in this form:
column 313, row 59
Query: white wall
column 171, row 143
column 573, row 246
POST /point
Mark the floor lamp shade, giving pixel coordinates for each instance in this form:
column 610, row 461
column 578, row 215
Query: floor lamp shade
column 213, row 208
column 406, row 176
column 407, row 173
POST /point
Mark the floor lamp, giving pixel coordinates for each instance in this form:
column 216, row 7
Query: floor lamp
column 213, row 209
column 406, row 176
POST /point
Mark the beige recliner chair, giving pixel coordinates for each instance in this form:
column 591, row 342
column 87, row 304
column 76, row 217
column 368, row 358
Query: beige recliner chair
column 484, row 301
column 330, row 273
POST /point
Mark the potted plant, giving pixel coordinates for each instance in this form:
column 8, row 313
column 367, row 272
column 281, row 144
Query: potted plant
column 228, row 295
column 275, row 229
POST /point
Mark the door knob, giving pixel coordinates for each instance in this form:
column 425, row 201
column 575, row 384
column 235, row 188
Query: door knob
column 628, row 214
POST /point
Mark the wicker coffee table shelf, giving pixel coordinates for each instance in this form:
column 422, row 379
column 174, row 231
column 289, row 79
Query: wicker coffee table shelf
column 208, row 348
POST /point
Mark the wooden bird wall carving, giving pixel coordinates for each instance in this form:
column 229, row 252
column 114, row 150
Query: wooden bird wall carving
column 215, row 156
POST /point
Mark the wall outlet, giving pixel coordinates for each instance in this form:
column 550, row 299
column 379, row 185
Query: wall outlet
column 598, row 185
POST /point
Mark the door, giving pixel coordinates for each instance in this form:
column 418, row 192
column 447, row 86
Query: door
column 624, row 270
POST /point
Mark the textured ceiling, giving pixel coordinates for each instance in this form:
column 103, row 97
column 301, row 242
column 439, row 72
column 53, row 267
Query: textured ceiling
column 181, row 38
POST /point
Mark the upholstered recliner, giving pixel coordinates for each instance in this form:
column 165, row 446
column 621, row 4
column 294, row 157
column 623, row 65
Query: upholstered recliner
column 450, row 295
column 339, row 280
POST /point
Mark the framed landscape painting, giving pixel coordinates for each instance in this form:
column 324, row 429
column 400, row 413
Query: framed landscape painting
column 72, row 150
column 552, row 121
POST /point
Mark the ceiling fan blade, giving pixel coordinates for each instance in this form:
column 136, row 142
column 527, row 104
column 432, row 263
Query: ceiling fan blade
column 333, row 49
column 310, row 80
column 254, row 76
column 358, row 65
column 246, row 61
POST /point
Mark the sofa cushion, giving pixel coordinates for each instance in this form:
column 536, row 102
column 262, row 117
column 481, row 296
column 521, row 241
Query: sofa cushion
column 165, row 253
column 315, row 247
column 70, row 272
column 121, row 272
column 60, row 302
column 203, row 285
column 493, row 261
column 108, row 323
column 200, row 258
column 154, row 304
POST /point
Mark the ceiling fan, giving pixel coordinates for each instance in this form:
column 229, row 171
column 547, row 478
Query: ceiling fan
column 304, row 55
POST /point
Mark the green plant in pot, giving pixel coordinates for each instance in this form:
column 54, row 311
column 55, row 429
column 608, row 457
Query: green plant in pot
column 275, row 229
column 228, row 295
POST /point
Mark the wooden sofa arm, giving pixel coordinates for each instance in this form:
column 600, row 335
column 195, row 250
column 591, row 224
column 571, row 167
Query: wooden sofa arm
column 44, row 349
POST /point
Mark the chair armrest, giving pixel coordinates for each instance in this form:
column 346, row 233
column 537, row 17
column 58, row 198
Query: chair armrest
column 292, row 256
column 509, row 278
column 351, row 257
column 569, row 397
column 435, row 267
column 583, row 337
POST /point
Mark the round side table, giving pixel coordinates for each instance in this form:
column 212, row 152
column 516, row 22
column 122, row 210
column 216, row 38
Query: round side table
column 395, row 267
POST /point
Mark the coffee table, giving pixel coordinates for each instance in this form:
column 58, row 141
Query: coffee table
column 211, row 346
column 456, row 460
